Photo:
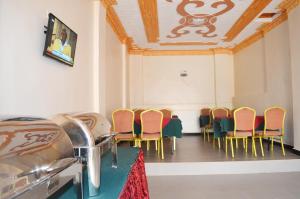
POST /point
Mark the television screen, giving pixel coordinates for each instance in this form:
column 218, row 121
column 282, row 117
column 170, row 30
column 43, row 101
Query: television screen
column 60, row 41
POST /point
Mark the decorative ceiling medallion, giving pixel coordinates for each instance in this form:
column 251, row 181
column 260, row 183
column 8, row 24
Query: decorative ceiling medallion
column 189, row 44
column 203, row 22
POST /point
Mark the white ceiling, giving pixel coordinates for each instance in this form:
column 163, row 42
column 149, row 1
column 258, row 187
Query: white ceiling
column 129, row 13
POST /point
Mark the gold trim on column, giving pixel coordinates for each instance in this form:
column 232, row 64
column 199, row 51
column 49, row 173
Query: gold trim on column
column 288, row 5
column 189, row 44
column 148, row 9
column 249, row 15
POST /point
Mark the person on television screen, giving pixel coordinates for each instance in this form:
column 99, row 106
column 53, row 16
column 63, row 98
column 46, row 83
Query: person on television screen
column 61, row 44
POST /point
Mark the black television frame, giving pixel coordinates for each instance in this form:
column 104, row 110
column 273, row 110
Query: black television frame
column 48, row 40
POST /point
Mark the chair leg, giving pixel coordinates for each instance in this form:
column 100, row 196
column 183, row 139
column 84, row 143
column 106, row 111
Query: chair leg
column 207, row 135
column 232, row 152
column 213, row 141
column 219, row 143
column 158, row 147
column 226, row 150
column 272, row 144
column 236, row 143
column 162, row 148
column 282, row 146
column 174, row 143
column 155, row 145
column 254, row 147
column 246, row 145
column 203, row 130
column 261, row 147
column 148, row 145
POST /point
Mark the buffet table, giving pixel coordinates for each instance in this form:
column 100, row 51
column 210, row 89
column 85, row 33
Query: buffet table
column 125, row 182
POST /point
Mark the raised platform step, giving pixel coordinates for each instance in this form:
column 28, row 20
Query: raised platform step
column 226, row 167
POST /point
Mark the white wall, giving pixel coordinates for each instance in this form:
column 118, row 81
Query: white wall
column 31, row 83
column 155, row 82
column 114, row 73
column 262, row 75
column 294, row 21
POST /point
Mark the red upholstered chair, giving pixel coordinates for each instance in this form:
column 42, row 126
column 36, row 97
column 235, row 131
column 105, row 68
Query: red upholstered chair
column 274, row 127
column 137, row 113
column 219, row 113
column 151, row 121
column 166, row 113
column 208, row 127
column 123, row 124
column 244, row 127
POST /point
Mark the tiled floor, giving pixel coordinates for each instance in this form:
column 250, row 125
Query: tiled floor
column 193, row 148
column 248, row 186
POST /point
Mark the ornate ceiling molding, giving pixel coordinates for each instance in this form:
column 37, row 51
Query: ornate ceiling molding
column 112, row 18
column 276, row 22
column 114, row 21
column 180, row 52
column 148, row 9
column 204, row 22
column 189, row 44
column 288, row 5
column 108, row 3
column 261, row 32
column 247, row 42
column 249, row 15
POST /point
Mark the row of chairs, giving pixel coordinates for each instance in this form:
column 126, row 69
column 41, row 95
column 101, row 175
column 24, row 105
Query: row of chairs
column 244, row 126
column 151, row 126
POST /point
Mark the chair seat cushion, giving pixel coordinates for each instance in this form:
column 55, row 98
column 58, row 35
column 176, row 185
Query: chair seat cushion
column 154, row 136
column 268, row 133
column 124, row 136
column 239, row 134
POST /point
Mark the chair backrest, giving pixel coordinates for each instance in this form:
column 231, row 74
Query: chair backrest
column 219, row 113
column 244, row 119
column 151, row 121
column 205, row 111
column 123, row 121
column 274, row 118
column 231, row 112
column 137, row 114
column 166, row 113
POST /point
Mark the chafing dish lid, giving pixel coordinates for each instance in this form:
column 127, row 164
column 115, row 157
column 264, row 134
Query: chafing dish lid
column 28, row 147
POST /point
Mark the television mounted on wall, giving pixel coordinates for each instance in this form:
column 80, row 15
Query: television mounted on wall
column 60, row 41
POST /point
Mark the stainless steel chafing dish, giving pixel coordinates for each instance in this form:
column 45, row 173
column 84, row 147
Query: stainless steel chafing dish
column 36, row 159
column 91, row 137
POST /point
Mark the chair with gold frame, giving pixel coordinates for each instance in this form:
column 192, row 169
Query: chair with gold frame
column 123, row 125
column 137, row 113
column 219, row 113
column 244, row 122
column 274, row 127
column 151, row 130
column 167, row 113
column 206, row 128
